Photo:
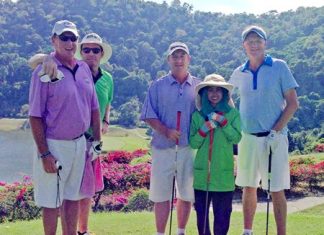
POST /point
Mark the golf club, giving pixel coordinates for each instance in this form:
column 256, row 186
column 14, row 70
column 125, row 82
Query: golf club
column 210, row 152
column 175, row 172
column 268, row 196
column 58, row 178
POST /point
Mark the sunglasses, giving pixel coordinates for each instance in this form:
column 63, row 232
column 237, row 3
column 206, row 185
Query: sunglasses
column 95, row 50
column 66, row 38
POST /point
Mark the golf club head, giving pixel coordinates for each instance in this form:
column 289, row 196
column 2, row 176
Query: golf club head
column 45, row 78
column 58, row 165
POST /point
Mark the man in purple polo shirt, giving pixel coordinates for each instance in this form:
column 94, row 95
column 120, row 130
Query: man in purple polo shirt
column 60, row 112
column 166, row 97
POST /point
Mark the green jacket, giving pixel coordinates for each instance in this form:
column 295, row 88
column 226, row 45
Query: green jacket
column 222, row 161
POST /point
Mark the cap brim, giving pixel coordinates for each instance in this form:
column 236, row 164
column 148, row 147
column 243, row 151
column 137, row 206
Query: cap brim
column 75, row 32
column 254, row 31
column 177, row 48
column 225, row 85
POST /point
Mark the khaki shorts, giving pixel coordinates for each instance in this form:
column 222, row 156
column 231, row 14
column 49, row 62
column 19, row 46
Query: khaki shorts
column 164, row 165
column 253, row 160
column 71, row 155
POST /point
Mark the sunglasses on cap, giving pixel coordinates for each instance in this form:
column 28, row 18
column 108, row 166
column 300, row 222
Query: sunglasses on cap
column 95, row 50
column 66, row 38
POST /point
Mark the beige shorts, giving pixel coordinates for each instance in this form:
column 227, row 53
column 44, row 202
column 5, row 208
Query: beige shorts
column 253, row 161
column 71, row 155
column 164, row 164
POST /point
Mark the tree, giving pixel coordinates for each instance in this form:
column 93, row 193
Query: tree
column 129, row 112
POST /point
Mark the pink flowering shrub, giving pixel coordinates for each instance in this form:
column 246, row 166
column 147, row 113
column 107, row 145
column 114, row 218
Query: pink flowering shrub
column 113, row 202
column 126, row 180
column 307, row 171
column 17, row 202
column 124, row 157
column 121, row 178
column 319, row 148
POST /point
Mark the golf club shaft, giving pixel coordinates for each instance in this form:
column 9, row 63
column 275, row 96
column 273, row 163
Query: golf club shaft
column 206, row 211
column 210, row 152
column 175, row 173
column 268, row 196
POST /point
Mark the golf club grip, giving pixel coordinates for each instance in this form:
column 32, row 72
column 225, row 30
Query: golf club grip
column 270, row 159
column 178, row 124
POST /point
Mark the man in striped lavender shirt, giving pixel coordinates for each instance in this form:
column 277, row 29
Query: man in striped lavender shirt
column 167, row 110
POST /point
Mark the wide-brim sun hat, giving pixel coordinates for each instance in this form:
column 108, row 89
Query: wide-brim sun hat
column 209, row 81
column 96, row 39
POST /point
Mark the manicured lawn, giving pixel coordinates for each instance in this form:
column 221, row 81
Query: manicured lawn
column 119, row 138
column 308, row 222
column 317, row 156
column 10, row 124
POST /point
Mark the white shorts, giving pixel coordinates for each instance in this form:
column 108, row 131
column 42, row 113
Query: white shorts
column 71, row 155
column 253, row 161
column 164, row 165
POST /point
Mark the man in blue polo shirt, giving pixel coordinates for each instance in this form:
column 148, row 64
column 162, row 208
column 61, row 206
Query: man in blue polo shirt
column 166, row 99
column 268, row 100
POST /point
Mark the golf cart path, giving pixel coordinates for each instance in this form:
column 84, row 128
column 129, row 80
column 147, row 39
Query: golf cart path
column 293, row 204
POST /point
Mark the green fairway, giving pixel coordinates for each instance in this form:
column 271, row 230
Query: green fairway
column 309, row 222
column 317, row 156
column 119, row 138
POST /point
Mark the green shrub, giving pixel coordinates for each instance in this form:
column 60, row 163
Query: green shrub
column 144, row 159
column 139, row 201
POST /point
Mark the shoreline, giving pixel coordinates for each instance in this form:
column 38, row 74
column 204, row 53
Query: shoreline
column 12, row 124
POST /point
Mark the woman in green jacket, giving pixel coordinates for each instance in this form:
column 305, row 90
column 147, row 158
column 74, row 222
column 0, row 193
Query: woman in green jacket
column 215, row 127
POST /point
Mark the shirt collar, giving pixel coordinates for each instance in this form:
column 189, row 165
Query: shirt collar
column 96, row 78
column 172, row 80
column 267, row 61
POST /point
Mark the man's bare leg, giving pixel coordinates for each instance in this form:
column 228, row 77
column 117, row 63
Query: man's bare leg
column 280, row 211
column 69, row 217
column 50, row 216
column 84, row 211
column 249, row 201
column 161, row 210
column 183, row 213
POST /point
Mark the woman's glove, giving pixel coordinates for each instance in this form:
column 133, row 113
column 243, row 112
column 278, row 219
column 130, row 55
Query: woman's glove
column 218, row 118
column 206, row 127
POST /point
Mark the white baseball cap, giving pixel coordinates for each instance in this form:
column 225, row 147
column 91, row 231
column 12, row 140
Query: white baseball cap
column 178, row 46
column 62, row 26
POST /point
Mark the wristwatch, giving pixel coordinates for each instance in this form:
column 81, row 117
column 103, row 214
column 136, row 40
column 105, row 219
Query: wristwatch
column 46, row 154
column 105, row 121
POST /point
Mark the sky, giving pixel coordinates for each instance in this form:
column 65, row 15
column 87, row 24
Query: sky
column 249, row 6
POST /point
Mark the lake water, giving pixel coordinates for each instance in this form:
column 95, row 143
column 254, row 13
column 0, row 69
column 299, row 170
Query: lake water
column 16, row 155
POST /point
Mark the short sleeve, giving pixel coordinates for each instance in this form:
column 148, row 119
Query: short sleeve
column 287, row 79
column 37, row 95
column 149, row 109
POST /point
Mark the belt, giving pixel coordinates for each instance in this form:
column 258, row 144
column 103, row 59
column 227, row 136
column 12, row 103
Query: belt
column 88, row 136
column 261, row 134
column 78, row 137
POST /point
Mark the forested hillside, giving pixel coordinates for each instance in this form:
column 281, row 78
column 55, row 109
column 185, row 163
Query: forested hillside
column 140, row 33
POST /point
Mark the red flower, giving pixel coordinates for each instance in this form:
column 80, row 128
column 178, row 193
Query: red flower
column 21, row 194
